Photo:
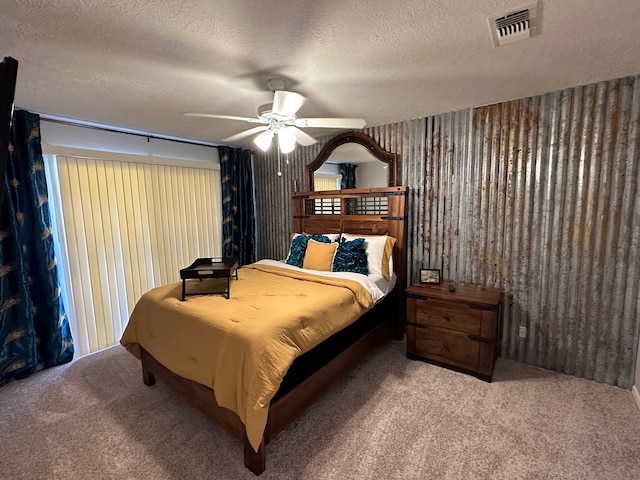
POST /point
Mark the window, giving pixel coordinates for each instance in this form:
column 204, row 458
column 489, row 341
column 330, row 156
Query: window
column 124, row 227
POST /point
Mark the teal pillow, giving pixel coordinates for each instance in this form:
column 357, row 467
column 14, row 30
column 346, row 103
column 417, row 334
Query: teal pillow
column 299, row 248
column 351, row 256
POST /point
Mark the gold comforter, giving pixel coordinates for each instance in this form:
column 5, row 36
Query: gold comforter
column 242, row 347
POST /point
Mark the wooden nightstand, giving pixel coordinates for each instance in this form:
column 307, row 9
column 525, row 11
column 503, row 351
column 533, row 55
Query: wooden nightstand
column 456, row 329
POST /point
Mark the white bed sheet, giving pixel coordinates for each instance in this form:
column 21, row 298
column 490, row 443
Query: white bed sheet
column 376, row 285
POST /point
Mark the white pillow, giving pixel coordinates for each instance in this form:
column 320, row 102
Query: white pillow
column 379, row 252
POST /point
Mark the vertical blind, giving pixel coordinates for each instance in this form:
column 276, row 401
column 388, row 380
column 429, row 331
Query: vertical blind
column 124, row 228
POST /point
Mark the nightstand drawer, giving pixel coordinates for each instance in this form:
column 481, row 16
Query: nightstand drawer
column 448, row 346
column 459, row 317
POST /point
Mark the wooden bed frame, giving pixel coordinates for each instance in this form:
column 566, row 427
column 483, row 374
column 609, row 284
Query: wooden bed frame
column 373, row 211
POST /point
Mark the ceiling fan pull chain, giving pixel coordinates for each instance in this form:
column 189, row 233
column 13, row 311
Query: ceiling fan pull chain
column 279, row 163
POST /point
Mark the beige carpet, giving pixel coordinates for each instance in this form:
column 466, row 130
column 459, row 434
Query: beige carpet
column 392, row 418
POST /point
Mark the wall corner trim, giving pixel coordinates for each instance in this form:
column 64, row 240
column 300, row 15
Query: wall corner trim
column 636, row 395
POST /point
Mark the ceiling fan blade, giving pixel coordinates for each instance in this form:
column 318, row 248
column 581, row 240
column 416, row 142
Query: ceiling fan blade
column 330, row 122
column 287, row 103
column 223, row 117
column 245, row 134
column 303, row 138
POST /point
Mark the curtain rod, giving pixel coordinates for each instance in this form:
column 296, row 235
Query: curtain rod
column 148, row 136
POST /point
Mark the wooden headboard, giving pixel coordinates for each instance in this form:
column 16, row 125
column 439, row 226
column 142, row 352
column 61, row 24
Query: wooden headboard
column 365, row 211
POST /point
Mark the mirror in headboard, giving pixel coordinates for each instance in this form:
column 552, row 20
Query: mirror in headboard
column 352, row 160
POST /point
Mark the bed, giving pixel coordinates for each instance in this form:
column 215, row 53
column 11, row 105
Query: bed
column 252, row 386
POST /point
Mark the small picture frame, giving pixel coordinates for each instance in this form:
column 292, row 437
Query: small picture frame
column 430, row 276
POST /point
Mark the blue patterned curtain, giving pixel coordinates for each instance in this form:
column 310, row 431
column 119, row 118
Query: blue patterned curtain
column 348, row 172
column 34, row 330
column 238, row 212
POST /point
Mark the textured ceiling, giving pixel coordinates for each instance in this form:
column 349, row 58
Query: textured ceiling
column 140, row 64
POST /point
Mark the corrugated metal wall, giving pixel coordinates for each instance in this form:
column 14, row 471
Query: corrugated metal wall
column 538, row 196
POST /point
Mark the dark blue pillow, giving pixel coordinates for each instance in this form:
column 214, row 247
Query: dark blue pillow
column 299, row 248
column 351, row 256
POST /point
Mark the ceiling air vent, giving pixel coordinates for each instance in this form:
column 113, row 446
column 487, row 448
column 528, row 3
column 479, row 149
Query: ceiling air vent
column 514, row 26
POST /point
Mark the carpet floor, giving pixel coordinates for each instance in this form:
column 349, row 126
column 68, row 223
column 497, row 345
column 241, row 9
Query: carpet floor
column 391, row 418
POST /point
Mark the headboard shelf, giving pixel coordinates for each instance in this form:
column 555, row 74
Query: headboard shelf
column 355, row 192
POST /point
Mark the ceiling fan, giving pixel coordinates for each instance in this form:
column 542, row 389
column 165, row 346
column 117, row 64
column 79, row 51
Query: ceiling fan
column 279, row 119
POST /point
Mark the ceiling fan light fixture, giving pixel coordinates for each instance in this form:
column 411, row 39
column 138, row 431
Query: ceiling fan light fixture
column 287, row 148
column 264, row 140
column 286, row 140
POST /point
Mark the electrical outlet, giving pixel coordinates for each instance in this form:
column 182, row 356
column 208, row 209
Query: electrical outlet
column 522, row 332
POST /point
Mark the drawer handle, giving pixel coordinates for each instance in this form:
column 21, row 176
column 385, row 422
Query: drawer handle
column 478, row 338
column 446, row 317
column 445, row 347
column 418, row 325
column 419, row 297
column 483, row 307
